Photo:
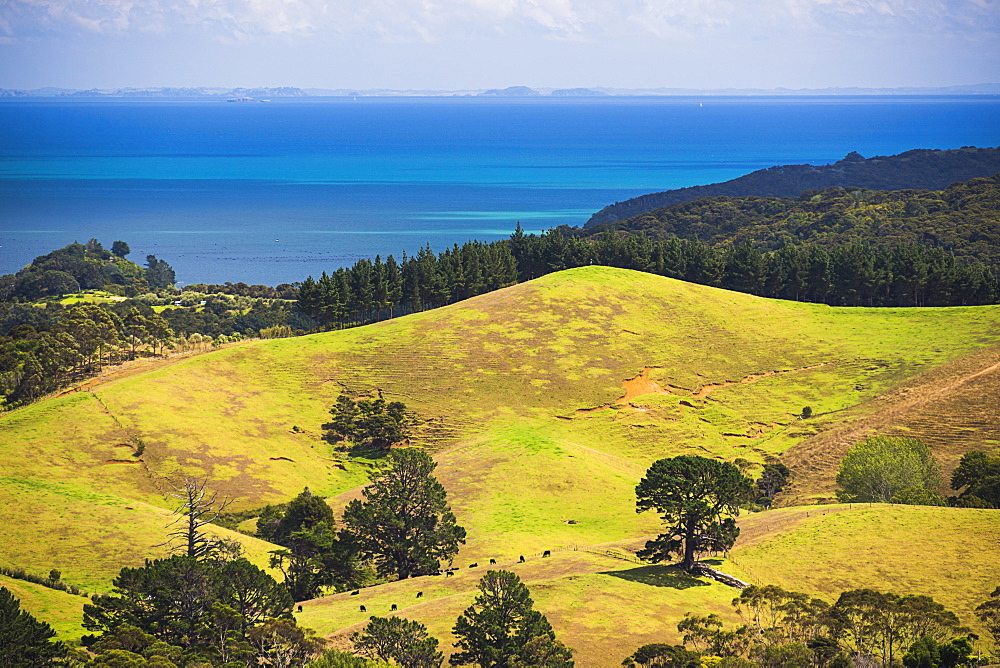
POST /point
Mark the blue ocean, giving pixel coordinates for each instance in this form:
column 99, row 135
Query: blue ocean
column 273, row 192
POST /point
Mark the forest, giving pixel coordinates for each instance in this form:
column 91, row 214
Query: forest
column 964, row 218
column 919, row 168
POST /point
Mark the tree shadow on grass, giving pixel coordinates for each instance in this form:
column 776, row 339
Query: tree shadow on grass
column 659, row 576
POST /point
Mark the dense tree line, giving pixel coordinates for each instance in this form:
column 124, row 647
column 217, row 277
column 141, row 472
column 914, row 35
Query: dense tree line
column 282, row 291
column 37, row 360
column 371, row 291
column 854, row 274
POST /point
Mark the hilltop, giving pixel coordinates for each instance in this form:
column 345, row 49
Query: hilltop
column 920, row 168
column 536, row 400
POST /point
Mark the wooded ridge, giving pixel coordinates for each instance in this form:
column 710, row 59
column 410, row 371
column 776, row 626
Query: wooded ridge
column 919, row 168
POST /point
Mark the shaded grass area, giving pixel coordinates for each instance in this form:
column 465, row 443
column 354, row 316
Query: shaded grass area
column 62, row 611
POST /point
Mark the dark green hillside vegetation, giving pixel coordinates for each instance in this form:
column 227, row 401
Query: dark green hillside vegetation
column 74, row 311
column 85, row 267
column 920, row 168
column 964, row 218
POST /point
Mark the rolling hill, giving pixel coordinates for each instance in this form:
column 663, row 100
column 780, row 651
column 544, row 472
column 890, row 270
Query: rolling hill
column 543, row 403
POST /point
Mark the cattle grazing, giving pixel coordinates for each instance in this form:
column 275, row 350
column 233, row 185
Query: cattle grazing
column 419, row 594
column 547, row 553
column 300, row 608
column 364, row 609
column 393, row 608
column 473, row 565
column 355, row 592
column 448, row 574
column 493, row 561
column 521, row 559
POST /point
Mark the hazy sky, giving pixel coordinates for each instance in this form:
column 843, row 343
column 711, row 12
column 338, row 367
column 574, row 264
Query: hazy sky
column 458, row 44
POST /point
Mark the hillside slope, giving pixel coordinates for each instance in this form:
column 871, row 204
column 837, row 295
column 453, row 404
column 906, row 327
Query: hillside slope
column 921, row 168
column 952, row 408
column 963, row 218
column 544, row 403
column 604, row 605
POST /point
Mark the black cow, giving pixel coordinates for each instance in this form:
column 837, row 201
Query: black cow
column 547, row 553
column 493, row 561
column 473, row 565
column 364, row 609
column 393, row 608
column 521, row 559
column 355, row 592
column 448, row 574
column 300, row 608
column 419, row 594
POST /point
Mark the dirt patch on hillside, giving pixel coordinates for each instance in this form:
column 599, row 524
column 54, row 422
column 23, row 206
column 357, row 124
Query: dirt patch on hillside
column 953, row 408
column 640, row 385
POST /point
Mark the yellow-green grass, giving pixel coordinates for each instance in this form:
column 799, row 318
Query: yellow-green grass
column 60, row 610
column 90, row 297
column 948, row 553
column 87, row 535
column 605, row 607
column 497, row 382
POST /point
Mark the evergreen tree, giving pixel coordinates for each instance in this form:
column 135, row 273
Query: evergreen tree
column 313, row 557
column 404, row 522
column 695, row 497
column 502, row 629
column 24, row 641
column 401, row 640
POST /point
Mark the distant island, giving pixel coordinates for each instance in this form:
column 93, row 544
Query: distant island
column 508, row 92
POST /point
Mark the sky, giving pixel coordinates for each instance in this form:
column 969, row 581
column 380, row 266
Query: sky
column 475, row 44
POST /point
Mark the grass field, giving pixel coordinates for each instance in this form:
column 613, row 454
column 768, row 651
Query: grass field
column 62, row 611
column 544, row 404
column 605, row 607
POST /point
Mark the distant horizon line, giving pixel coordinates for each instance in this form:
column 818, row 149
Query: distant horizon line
column 523, row 92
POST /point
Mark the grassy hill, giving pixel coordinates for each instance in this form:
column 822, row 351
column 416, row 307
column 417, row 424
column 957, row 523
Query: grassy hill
column 605, row 606
column 544, row 403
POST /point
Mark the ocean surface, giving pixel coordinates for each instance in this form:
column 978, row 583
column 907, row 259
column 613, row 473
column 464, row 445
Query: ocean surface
column 273, row 192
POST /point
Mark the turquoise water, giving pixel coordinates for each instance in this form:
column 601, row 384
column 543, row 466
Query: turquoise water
column 270, row 193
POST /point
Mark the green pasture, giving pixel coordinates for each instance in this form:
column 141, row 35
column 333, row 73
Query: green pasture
column 90, row 297
column 602, row 607
column 605, row 607
column 88, row 535
column 516, row 392
column 947, row 553
column 62, row 611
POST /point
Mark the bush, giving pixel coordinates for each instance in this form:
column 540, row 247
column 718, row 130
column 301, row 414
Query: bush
column 881, row 467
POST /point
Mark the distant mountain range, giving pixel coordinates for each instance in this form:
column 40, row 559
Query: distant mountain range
column 512, row 91
column 920, row 168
